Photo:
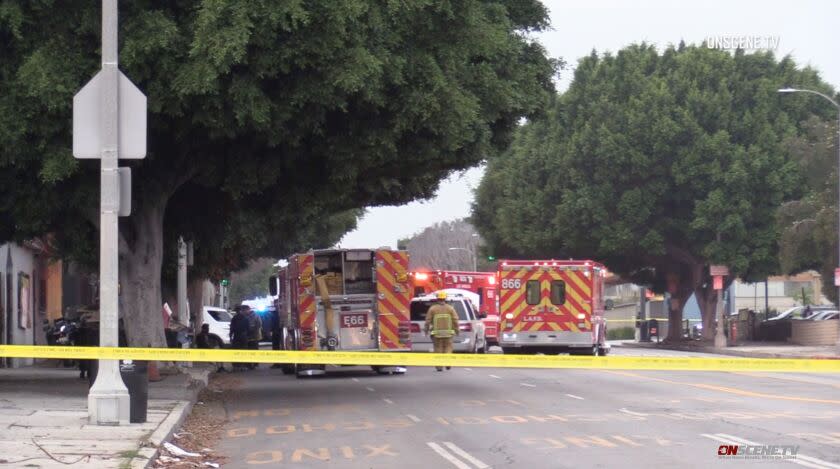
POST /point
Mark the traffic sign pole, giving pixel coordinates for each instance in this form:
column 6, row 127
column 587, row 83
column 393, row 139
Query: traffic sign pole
column 718, row 272
column 108, row 400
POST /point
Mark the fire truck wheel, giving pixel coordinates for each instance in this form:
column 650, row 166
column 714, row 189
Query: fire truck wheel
column 287, row 368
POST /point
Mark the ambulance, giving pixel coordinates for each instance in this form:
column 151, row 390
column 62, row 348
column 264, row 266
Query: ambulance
column 552, row 306
column 344, row 300
column 482, row 284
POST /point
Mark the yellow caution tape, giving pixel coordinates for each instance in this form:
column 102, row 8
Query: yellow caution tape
column 425, row 359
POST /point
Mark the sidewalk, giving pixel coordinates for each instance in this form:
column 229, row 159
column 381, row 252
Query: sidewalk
column 43, row 420
column 745, row 349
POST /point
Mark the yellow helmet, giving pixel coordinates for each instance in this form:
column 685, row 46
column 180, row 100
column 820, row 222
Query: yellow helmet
column 441, row 295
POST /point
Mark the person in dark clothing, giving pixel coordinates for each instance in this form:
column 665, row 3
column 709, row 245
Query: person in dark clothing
column 202, row 340
column 254, row 331
column 275, row 334
column 239, row 332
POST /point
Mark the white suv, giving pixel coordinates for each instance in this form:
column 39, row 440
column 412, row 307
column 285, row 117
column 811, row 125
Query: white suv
column 471, row 330
column 219, row 321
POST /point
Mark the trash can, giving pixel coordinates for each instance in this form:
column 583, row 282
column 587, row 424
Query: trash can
column 733, row 333
column 653, row 329
column 135, row 376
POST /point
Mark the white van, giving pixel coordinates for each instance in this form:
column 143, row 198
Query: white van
column 219, row 321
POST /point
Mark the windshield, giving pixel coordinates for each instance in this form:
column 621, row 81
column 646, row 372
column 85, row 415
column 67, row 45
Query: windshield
column 219, row 315
column 420, row 308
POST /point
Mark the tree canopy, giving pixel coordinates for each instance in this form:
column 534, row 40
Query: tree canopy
column 809, row 224
column 658, row 164
column 270, row 122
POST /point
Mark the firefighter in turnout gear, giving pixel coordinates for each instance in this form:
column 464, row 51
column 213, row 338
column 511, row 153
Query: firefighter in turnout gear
column 442, row 324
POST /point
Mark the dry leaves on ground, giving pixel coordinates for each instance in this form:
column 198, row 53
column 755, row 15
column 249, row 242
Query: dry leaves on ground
column 202, row 431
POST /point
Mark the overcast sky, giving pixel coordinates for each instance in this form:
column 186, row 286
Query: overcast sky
column 805, row 29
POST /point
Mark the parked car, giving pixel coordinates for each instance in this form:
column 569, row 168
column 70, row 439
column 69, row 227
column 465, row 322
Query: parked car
column 825, row 315
column 471, row 329
column 798, row 312
column 219, row 321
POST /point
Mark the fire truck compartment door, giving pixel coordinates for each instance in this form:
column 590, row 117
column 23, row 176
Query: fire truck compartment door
column 352, row 335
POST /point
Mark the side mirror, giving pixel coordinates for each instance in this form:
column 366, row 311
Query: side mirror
column 272, row 285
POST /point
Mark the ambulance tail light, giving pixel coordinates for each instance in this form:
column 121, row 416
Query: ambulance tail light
column 421, row 276
column 491, row 280
column 465, row 327
column 581, row 316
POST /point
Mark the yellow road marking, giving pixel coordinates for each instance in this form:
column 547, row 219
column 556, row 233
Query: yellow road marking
column 740, row 392
column 785, row 378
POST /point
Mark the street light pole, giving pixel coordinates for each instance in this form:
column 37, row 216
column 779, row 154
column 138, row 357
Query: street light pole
column 837, row 105
column 108, row 399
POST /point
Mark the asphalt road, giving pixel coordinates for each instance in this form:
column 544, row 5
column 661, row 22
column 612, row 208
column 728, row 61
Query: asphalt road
column 472, row 418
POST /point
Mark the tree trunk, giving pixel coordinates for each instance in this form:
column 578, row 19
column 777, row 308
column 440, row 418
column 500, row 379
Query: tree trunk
column 196, row 295
column 141, row 260
column 681, row 283
column 707, row 300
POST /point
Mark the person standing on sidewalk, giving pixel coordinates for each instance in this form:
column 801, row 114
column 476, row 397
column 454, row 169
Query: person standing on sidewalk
column 239, row 333
column 442, row 325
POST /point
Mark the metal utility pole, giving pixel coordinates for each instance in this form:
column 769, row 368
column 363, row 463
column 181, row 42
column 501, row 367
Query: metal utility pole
column 718, row 272
column 108, row 401
column 183, row 310
column 109, row 123
column 766, row 298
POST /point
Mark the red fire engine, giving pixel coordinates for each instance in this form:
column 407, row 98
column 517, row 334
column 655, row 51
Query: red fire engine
column 344, row 300
column 552, row 306
column 481, row 283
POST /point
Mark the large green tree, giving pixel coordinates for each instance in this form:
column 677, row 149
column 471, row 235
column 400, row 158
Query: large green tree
column 809, row 224
column 659, row 164
column 266, row 119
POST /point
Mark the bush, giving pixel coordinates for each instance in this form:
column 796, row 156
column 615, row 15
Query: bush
column 621, row 333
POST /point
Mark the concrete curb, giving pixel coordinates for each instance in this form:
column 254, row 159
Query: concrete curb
column 729, row 352
column 146, row 455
